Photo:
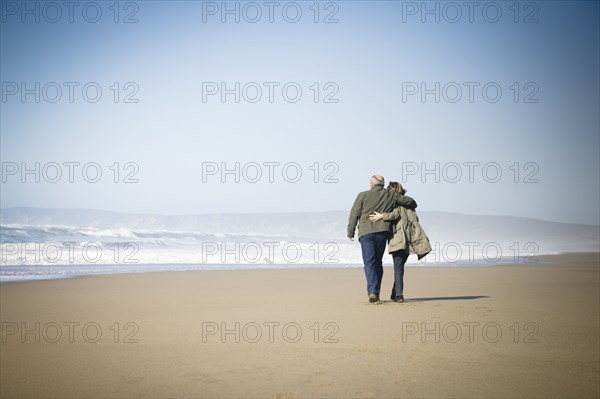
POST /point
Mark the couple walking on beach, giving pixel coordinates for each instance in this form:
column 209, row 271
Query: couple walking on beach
column 386, row 216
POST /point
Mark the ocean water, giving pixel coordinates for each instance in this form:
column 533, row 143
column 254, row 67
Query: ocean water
column 34, row 252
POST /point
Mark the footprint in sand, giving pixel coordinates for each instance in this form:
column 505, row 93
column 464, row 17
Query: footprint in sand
column 287, row 395
column 322, row 385
column 366, row 394
column 370, row 349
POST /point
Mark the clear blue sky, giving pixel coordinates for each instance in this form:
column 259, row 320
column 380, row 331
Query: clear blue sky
column 372, row 57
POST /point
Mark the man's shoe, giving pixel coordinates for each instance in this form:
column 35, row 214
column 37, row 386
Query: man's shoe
column 373, row 298
column 398, row 299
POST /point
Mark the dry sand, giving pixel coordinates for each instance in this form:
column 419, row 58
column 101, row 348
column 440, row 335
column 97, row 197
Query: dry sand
column 547, row 315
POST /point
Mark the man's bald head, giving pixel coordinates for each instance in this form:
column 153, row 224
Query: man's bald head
column 377, row 180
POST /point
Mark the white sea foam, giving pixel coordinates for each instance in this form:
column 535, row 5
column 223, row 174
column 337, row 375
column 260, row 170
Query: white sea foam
column 129, row 243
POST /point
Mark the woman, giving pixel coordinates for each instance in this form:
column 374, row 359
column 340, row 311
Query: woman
column 407, row 238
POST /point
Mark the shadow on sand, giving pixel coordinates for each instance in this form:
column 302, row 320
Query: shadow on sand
column 438, row 298
column 445, row 298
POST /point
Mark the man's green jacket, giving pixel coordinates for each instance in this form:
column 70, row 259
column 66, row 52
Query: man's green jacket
column 375, row 200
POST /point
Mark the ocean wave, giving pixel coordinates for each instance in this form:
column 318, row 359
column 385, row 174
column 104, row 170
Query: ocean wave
column 21, row 233
column 35, row 251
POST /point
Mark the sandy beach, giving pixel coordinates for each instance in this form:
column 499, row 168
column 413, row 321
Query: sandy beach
column 469, row 332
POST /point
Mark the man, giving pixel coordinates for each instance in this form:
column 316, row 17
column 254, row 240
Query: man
column 373, row 235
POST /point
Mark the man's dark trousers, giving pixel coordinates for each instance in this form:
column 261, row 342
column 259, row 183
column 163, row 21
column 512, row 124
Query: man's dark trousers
column 373, row 249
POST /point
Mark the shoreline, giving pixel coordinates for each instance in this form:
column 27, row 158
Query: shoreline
column 177, row 268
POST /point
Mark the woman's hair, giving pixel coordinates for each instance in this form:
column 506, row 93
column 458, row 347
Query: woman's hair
column 397, row 187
